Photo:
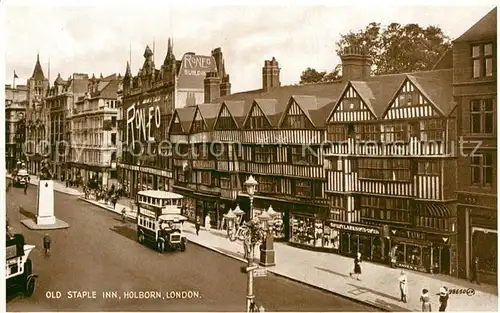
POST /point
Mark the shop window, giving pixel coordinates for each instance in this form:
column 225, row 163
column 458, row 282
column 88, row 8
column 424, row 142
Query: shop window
column 307, row 231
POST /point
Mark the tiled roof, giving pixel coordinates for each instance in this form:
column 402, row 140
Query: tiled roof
column 238, row 110
column 186, row 116
column 437, row 87
column 445, row 62
column 485, row 28
column 209, row 113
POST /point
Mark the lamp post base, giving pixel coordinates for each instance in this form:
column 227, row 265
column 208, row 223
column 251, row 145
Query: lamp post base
column 267, row 258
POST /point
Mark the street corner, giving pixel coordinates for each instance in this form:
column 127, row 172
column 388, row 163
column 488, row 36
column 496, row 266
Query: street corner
column 32, row 225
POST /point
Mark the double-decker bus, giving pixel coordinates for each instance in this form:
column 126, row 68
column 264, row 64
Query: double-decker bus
column 159, row 220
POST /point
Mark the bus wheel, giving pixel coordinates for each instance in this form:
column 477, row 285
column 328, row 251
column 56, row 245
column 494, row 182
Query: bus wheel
column 141, row 239
column 161, row 246
column 30, row 286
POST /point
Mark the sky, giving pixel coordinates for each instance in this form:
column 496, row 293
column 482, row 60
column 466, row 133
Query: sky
column 99, row 37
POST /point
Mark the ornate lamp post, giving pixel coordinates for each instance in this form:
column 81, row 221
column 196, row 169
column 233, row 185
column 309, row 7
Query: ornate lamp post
column 267, row 247
column 251, row 233
column 239, row 215
column 251, row 184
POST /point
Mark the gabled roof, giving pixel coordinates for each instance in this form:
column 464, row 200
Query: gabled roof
column 238, row 110
column 309, row 105
column 485, row 28
column 186, row 116
column 436, row 86
column 209, row 113
column 271, row 109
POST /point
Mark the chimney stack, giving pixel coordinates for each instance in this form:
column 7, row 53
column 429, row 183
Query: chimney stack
column 356, row 64
column 270, row 75
column 225, row 86
column 212, row 86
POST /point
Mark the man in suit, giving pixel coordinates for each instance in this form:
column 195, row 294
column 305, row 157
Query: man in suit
column 475, row 271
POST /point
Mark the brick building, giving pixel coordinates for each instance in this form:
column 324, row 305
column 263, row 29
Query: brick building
column 60, row 100
column 475, row 93
column 15, row 113
column 148, row 103
column 94, row 131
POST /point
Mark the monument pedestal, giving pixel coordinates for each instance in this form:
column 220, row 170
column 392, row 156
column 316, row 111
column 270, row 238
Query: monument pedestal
column 45, row 218
column 45, row 203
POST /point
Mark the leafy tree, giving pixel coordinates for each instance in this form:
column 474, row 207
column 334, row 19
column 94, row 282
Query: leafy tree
column 310, row 75
column 398, row 48
column 393, row 49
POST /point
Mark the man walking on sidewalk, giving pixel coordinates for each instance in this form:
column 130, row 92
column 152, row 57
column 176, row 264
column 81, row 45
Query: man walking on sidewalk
column 197, row 225
column 26, row 188
column 403, row 286
column 475, row 271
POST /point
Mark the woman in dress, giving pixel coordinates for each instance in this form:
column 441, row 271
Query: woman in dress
column 426, row 301
column 357, row 266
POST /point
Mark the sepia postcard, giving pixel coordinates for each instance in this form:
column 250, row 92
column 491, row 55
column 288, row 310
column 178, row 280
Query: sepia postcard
column 250, row 157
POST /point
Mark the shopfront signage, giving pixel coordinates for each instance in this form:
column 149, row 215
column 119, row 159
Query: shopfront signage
column 408, row 234
column 355, row 228
column 411, row 267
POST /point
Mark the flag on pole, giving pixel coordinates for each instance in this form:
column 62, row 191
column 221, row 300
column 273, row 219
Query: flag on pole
column 15, row 75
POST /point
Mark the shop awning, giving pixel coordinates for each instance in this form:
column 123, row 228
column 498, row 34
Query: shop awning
column 434, row 210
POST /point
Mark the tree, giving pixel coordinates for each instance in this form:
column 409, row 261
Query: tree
column 398, row 48
column 310, row 75
column 393, row 49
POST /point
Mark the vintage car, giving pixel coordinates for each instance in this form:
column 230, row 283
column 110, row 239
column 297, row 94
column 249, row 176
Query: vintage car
column 18, row 267
column 21, row 178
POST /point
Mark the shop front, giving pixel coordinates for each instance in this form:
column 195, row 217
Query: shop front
column 349, row 239
column 280, row 223
column 423, row 251
column 478, row 236
column 307, row 225
column 134, row 179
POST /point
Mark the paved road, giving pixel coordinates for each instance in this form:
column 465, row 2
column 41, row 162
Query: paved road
column 99, row 253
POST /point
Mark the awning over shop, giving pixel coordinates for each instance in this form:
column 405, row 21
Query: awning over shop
column 434, row 210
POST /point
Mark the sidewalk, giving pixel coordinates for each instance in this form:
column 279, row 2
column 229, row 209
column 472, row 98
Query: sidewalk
column 378, row 286
column 58, row 186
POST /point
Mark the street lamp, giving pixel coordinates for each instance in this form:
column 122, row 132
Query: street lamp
column 251, row 233
column 267, row 248
column 251, row 184
column 239, row 214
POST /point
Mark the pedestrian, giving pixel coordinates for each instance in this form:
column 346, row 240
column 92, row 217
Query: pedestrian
column 475, row 271
column 357, row 266
column 9, row 186
column 426, row 301
column 46, row 244
column 393, row 256
column 26, row 188
column 198, row 225
column 403, row 286
column 443, row 298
